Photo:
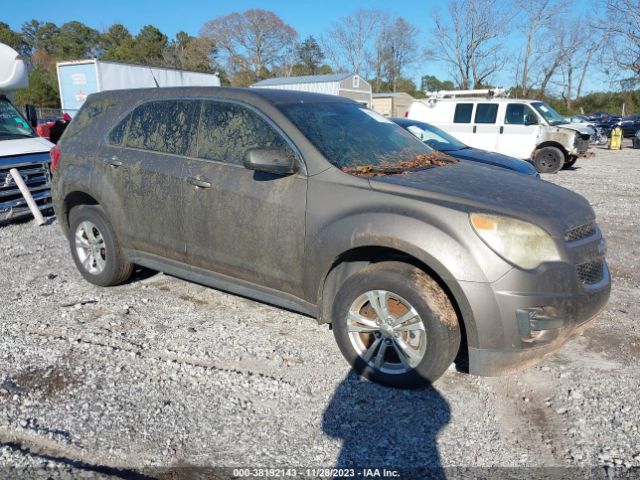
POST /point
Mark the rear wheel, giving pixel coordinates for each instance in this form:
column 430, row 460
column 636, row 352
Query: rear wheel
column 95, row 248
column 395, row 325
column 548, row 160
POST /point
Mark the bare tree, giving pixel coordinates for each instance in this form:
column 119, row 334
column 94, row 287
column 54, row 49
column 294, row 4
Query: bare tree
column 537, row 18
column 349, row 43
column 621, row 28
column 469, row 41
column 398, row 49
column 251, row 42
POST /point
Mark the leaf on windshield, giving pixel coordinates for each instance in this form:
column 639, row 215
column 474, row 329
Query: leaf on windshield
column 434, row 159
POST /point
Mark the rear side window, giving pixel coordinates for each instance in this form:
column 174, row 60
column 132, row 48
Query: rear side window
column 228, row 130
column 167, row 126
column 463, row 113
column 486, row 113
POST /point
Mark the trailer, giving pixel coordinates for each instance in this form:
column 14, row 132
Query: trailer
column 21, row 151
column 78, row 79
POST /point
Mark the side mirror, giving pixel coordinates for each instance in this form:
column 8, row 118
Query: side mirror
column 530, row 120
column 270, row 160
column 32, row 115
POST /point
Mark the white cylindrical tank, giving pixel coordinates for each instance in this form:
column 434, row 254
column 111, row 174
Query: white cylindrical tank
column 13, row 72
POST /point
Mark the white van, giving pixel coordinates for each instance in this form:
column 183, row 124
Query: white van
column 525, row 129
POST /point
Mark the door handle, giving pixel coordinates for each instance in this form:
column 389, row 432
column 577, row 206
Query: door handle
column 474, row 129
column 113, row 162
column 501, row 129
column 199, row 182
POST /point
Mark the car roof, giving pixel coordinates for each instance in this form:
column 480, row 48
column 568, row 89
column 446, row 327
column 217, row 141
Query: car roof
column 249, row 95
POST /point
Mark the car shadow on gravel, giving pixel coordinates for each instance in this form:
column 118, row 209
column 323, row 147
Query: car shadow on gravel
column 382, row 427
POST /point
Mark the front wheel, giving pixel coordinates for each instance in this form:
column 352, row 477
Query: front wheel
column 395, row 325
column 548, row 160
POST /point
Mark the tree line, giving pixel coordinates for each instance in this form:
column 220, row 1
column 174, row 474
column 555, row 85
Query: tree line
column 555, row 54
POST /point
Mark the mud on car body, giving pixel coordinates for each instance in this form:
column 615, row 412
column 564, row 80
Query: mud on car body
column 316, row 204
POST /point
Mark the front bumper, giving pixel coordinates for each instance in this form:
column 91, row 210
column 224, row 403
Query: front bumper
column 526, row 316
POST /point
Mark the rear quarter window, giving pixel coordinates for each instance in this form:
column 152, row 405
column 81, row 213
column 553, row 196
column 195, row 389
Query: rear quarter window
column 90, row 111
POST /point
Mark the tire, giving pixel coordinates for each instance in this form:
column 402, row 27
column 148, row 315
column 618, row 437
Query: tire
column 548, row 160
column 570, row 163
column 95, row 248
column 432, row 336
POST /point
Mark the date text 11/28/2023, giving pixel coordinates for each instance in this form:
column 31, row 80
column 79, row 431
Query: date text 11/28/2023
column 315, row 473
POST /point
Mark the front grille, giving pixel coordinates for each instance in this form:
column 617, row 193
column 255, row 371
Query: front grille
column 591, row 272
column 35, row 176
column 584, row 231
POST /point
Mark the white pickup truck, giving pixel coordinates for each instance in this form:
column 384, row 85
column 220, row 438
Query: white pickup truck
column 20, row 147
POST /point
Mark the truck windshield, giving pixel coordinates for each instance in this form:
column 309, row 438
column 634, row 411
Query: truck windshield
column 349, row 135
column 12, row 125
column 549, row 114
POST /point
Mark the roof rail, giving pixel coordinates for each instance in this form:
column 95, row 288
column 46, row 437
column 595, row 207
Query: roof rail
column 488, row 92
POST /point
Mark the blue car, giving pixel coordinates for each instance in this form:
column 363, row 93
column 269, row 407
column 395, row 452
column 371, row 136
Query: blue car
column 445, row 143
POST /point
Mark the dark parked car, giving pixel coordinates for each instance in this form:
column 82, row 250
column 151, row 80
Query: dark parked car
column 317, row 204
column 630, row 125
column 443, row 142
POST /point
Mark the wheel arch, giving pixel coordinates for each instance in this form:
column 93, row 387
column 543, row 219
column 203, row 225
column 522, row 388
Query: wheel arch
column 551, row 143
column 358, row 258
column 73, row 199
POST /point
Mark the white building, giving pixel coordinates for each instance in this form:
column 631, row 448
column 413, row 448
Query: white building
column 343, row 84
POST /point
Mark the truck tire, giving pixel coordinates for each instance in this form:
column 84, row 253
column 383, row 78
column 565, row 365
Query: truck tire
column 395, row 325
column 548, row 160
column 95, row 248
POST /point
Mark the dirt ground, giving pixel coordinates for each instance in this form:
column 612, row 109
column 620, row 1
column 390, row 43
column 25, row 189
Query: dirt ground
column 159, row 372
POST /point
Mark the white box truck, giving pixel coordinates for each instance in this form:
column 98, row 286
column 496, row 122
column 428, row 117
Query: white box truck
column 78, row 79
column 20, row 147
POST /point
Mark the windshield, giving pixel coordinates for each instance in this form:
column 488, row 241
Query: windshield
column 550, row 115
column 435, row 138
column 350, row 135
column 12, row 125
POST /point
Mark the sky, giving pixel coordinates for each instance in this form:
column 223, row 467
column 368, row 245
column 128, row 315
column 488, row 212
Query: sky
column 307, row 17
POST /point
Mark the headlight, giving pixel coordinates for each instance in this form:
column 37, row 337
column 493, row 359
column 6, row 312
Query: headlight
column 521, row 243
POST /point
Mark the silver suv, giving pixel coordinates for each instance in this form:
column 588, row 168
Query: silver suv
column 319, row 205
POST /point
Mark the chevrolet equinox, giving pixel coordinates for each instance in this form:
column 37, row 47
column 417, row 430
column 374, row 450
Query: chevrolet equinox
column 316, row 204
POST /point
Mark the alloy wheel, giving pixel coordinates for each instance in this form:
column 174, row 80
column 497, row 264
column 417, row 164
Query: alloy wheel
column 90, row 247
column 387, row 332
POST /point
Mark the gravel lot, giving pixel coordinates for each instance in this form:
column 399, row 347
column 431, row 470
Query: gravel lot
column 164, row 373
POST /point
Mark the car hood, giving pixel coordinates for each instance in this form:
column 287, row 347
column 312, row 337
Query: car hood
column 494, row 159
column 474, row 187
column 21, row 146
column 578, row 127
